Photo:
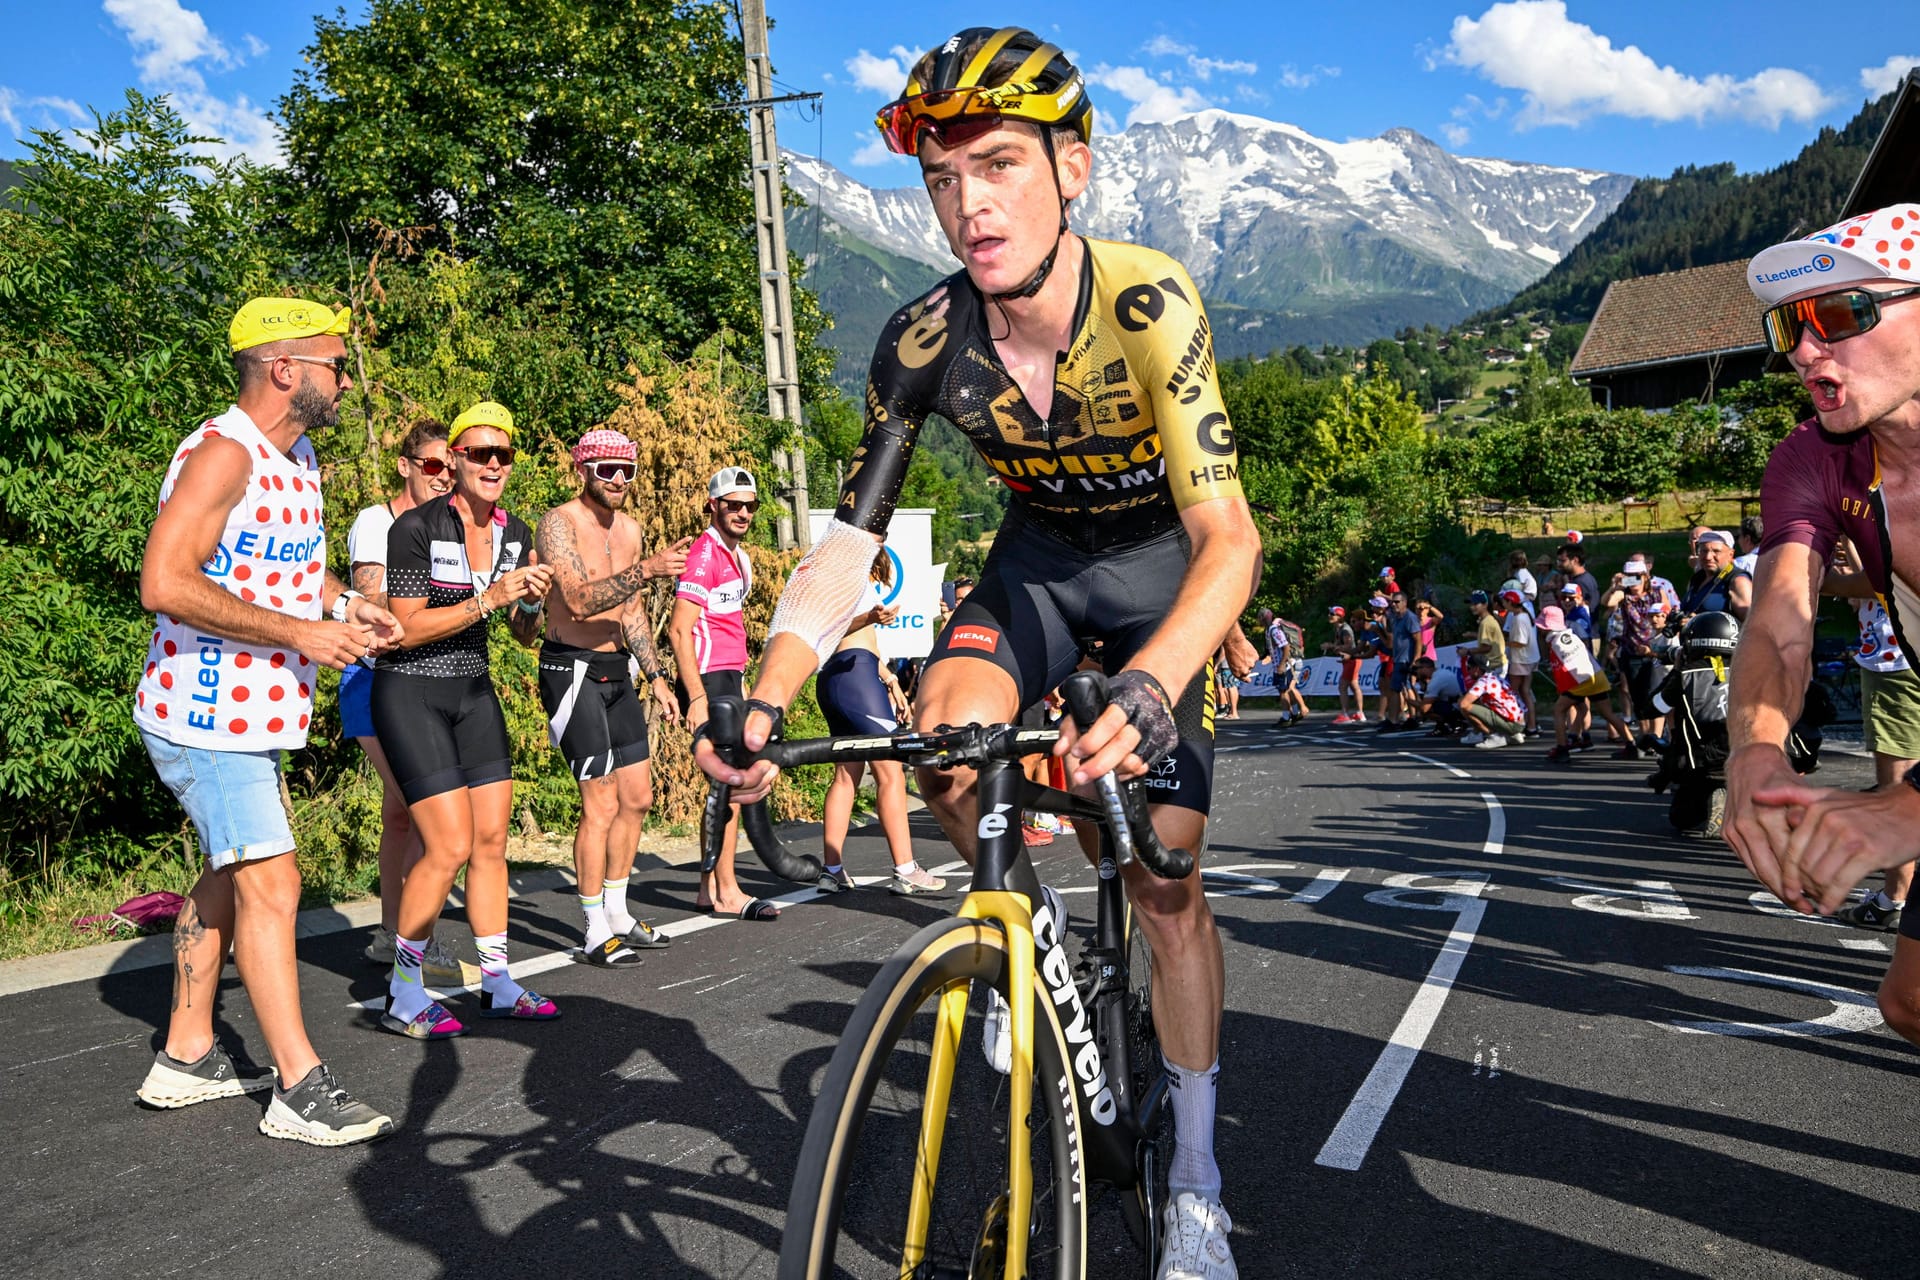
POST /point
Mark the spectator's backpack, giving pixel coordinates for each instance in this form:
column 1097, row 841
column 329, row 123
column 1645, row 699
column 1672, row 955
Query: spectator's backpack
column 1295, row 635
column 1569, row 660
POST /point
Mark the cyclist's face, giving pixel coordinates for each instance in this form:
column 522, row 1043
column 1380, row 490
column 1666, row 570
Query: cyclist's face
column 1857, row 381
column 996, row 201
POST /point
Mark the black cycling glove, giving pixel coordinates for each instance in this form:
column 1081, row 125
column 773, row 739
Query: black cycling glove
column 1148, row 709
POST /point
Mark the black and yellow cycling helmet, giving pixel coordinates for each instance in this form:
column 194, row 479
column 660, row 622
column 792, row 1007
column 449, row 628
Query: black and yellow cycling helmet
column 961, row 87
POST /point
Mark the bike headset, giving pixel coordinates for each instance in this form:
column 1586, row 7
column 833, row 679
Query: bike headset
column 1035, row 82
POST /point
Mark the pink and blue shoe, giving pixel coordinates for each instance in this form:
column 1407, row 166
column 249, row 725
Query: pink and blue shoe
column 530, row 1007
column 431, row 1023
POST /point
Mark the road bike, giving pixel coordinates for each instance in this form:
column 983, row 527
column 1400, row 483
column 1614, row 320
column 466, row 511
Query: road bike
column 923, row 1162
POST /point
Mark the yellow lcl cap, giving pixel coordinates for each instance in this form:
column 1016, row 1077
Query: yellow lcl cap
column 487, row 413
column 266, row 320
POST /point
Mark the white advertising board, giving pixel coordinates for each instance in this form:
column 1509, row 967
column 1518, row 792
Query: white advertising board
column 916, row 583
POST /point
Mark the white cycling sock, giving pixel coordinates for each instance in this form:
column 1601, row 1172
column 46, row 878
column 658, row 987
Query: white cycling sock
column 406, row 992
column 907, row 868
column 619, row 920
column 1192, row 1094
column 500, row 988
column 599, row 929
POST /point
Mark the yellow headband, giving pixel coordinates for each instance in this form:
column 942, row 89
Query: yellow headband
column 485, row 414
column 266, row 320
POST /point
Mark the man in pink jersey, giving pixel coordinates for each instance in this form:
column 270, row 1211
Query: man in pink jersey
column 235, row 574
column 709, row 634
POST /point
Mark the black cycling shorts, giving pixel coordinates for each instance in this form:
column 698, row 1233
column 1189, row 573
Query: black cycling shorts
column 440, row 733
column 852, row 697
column 1038, row 605
column 594, row 716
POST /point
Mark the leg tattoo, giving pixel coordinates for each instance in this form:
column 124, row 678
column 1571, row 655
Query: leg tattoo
column 188, row 930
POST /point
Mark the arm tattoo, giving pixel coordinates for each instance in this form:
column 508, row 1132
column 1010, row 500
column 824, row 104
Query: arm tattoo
column 638, row 630
column 559, row 546
column 370, row 580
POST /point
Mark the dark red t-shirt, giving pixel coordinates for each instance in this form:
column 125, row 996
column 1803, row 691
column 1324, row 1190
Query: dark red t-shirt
column 1820, row 487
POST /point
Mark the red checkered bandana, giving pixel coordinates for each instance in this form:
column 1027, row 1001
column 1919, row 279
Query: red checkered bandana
column 602, row 443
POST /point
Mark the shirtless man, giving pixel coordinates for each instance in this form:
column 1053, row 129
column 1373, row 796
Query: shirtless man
column 597, row 633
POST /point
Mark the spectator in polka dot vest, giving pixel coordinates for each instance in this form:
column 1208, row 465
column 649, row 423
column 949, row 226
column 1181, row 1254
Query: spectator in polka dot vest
column 246, row 613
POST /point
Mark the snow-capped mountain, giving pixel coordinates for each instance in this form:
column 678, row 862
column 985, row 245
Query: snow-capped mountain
column 1374, row 234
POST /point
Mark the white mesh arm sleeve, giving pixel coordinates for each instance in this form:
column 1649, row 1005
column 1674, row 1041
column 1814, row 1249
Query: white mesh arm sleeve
column 826, row 588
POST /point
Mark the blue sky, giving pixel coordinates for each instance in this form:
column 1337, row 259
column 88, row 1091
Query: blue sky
column 1626, row 86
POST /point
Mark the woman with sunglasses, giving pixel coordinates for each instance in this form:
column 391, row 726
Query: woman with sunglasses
column 1839, row 305
column 426, row 473
column 451, row 564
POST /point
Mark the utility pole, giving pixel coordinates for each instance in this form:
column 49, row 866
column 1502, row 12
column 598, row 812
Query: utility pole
column 776, row 288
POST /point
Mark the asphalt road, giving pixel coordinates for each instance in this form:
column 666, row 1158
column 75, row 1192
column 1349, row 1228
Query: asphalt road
column 1483, row 1016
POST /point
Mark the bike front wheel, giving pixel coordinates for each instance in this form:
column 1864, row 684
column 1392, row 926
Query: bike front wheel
column 849, row 1211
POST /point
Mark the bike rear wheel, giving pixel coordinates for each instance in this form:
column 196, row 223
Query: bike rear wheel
column 847, row 1215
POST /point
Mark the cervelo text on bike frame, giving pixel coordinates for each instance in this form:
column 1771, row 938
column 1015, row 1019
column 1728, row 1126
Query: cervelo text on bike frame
column 1085, row 1054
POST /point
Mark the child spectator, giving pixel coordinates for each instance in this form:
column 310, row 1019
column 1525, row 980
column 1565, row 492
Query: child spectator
column 1523, row 650
column 1577, row 679
column 1348, row 650
column 1490, row 704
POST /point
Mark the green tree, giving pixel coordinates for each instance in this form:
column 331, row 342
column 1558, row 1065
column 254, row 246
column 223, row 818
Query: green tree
column 1539, row 392
column 123, row 254
column 573, row 144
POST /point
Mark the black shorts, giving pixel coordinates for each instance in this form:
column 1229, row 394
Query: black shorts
column 852, row 697
column 440, row 733
column 594, row 717
column 1039, row 602
column 717, row 684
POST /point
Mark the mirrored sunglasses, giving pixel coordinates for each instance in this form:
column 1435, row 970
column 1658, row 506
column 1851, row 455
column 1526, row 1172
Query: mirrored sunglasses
column 749, row 505
column 487, row 454
column 428, row 466
column 1833, row 317
column 611, row 471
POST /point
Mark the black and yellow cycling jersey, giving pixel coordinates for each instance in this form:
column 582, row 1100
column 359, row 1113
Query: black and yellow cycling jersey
column 1136, row 432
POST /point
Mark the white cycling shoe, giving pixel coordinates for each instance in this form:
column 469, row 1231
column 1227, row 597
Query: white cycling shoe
column 1196, row 1231
column 996, row 1029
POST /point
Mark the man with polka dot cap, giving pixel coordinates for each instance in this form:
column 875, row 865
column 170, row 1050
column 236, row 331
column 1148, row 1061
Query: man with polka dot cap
column 1839, row 305
column 246, row 612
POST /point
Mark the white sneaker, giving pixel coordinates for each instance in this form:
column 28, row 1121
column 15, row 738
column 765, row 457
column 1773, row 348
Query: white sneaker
column 1489, row 743
column 1517, row 740
column 1196, row 1248
column 1472, row 739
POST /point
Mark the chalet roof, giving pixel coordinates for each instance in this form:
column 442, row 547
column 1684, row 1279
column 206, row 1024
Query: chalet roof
column 1892, row 170
column 1677, row 315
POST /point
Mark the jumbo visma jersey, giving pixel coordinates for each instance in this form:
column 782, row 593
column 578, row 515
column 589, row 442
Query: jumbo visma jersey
column 1136, row 432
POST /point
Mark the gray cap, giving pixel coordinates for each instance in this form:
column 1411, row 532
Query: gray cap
column 731, row 480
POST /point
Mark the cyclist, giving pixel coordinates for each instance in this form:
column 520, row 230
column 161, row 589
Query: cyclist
column 1083, row 372
column 1839, row 306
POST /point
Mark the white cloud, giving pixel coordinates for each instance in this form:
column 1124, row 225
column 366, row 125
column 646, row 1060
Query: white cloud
column 255, row 45
column 1153, row 102
column 1456, row 135
column 21, row 115
column 1886, row 77
column 1292, row 77
column 1165, row 46
column 1206, row 68
column 873, row 153
column 168, row 40
column 882, row 75
column 1569, row 73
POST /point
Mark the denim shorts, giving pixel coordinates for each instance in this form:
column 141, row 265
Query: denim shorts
column 233, row 798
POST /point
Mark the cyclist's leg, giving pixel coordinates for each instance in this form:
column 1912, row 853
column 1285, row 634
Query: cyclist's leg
column 1002, row 649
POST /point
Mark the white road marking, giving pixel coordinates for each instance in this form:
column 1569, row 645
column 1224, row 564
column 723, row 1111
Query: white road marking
column 1323, row 883
column 1346, row 1147
column 1764, row 901
column 1656, row 899
column 1865, row 944
column 1438, row 764
column 1496, row 826
column 1852, row 1012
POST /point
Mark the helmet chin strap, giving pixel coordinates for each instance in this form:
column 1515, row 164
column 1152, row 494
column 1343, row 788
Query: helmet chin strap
column 1045, row 269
